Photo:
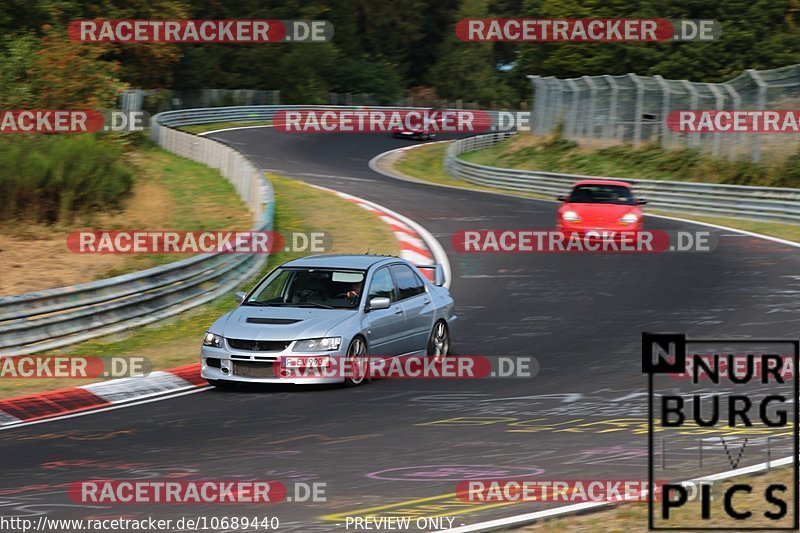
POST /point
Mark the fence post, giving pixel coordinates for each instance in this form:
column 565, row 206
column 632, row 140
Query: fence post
column 570, row 128
column 592, row 103
column 665, row 103
column 637, row 124
column 719, row 105
column 762, row 104
column 611, row 125
column 694, row 138
column 737, row 104
column 539, row 95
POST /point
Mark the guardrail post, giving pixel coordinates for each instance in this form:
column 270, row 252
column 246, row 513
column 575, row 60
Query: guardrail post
column 761, row 104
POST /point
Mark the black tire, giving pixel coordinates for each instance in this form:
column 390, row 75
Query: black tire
column 439, row 341
column 358, row 345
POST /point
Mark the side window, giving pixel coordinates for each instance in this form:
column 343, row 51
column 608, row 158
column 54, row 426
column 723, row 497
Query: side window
column 382, row 285
column 408, row 283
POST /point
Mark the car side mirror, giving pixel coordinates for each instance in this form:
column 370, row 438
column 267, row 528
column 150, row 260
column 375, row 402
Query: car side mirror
column 379, row 302
column 561, row 198
column 641, row 201
column 240, row 296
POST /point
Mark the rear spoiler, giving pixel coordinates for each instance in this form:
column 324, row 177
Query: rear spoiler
column 435, row 271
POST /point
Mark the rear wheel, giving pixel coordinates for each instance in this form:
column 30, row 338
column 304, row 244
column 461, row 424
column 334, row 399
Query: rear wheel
column 357, row 361
column 439, row 343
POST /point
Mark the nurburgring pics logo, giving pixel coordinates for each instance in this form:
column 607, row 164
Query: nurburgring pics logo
column 721, row 418
column 587, row 30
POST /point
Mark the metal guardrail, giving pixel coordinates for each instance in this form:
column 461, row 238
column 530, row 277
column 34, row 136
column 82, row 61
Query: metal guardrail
column 52, row 318
column 776, row 204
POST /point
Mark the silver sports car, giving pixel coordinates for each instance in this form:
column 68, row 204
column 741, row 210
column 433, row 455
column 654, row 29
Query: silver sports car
column 329, row 308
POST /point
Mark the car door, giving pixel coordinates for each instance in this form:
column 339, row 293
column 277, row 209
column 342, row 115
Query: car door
column 385, row 327
column 417, row 308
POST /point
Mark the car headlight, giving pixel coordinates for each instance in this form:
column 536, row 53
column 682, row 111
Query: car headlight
column 630, row 218
column 212, row 340
column 571, row 216
column 325, row 344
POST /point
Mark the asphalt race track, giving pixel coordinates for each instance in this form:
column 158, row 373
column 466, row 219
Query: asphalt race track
column 405, row 444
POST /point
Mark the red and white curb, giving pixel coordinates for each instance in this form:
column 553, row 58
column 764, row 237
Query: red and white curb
column 412, row 246
column 416, row 245
column 42, row 405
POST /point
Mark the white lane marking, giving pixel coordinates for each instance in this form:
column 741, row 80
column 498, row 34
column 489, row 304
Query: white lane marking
column 135, row 388
column 193, row 390
column 523, row 519
column 203, row 134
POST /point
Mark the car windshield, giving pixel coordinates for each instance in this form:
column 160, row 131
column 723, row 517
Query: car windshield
column 601, row 194
column 310, row 287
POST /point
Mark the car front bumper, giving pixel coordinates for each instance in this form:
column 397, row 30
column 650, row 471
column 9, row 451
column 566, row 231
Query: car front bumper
column 243, row 367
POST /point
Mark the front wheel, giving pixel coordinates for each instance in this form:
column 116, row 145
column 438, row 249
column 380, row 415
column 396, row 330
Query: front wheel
column 357, row 361
column 439, row 342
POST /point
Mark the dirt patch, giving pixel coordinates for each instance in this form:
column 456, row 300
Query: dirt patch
column 35, row 257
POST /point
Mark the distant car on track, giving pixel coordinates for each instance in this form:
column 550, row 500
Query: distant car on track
column 331, row 306
column 600, row 205
column 416, row 133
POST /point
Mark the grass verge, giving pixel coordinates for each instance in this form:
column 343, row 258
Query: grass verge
column 650, row 161
column 425, row 164
column 298, row 208
column 169, row 193
column 211, row 126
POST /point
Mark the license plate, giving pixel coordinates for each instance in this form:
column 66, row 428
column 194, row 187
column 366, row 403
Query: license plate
column 306, row 361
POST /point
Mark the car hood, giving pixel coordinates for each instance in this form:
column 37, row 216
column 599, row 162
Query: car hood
column 279, row 323
column 601, row 214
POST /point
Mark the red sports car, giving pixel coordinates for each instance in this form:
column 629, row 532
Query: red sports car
column 600, row 205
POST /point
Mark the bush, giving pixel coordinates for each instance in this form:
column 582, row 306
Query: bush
column 49, row 178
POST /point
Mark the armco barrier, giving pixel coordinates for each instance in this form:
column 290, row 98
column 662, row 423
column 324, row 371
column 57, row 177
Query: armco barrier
column 52, row 318
column 739, row 201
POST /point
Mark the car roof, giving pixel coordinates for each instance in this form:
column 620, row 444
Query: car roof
column 360, row 262
column 603, row 182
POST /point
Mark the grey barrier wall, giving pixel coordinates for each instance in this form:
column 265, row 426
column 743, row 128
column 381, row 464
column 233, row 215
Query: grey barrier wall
column 52, row 318
column 739, row 201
